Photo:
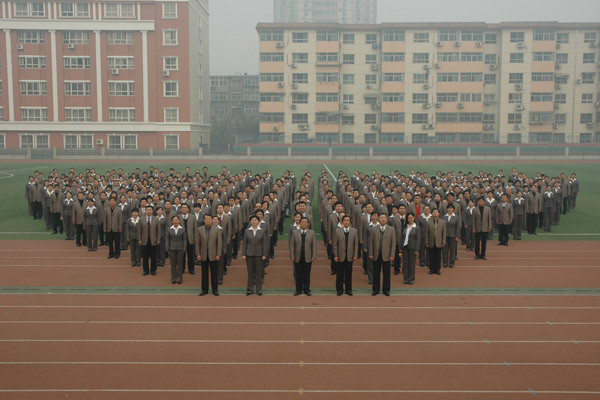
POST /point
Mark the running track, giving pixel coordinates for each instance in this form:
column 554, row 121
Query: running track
column 447, row 337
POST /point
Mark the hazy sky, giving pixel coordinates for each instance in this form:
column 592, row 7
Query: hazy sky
column 234, row 41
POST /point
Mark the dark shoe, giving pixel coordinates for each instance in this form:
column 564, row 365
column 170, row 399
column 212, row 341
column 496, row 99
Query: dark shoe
column 406, row 282
column 203, row 293
column 445, row 266
column 173, row 282
column 374, row 294
column 483, row 257
column 146, row 273
column 259, row 293
column 117, row 257
column 477, row 257
column 89, row 249
column 249, row 293
column 332, row 272
column 220, row 282
column 78, row 244
column 431, row 272
column 365, row 273
column 297, row 293
column 396, row 272
column 179, row 283
column 452, row 266
column 54, row 233
column 370, row 281
column 339, row 293
column 387, row 294
column 499, row 244
column 110, row 256
column 350, row 293
column 308, row 293
column 215, row 293
column 192, row 272
column 153, row 273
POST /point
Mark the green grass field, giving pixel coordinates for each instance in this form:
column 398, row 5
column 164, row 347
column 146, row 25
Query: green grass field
column 579, row 224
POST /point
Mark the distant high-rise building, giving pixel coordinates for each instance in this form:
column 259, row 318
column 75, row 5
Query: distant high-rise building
column 340, row 11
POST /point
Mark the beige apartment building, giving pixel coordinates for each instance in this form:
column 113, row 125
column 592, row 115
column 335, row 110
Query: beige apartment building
column 512, row 82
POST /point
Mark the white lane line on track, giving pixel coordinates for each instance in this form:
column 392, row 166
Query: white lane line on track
column 299, row 323
column 302, row 341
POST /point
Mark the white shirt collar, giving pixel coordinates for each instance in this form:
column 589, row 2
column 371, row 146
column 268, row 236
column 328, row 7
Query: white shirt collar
column 135, row 220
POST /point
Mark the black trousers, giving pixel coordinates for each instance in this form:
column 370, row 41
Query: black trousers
column 566, row 204
column 101, row 234
column 532, row 220
column 37, row 210
column 503, row 233
column 234, row 244
column 541, row 219
column 56, row 223
column 435, row 258
column 343, row 277
column 302, row 269
column 480, row 243
column 212, row 267
column 189, row 256
column 378, row 266
column 149, row 257
column 114, row 243
column 397, row 261
column 80, row 235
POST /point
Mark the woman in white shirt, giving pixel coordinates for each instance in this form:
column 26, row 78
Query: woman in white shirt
column 175, row 245
column 410, row 242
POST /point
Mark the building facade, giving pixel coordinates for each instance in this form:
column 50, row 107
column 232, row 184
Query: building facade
column 430, row 83
column 234, row 103
column 121, row 75
column 332, row 11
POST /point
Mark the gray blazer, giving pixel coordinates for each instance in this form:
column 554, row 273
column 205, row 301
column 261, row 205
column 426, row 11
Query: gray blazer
column 255, row 246
column 67, row 208
column 414, row 238
column 209, row 247
column 452, row 226
column 339, row 244
column 133, row 231
column 175, row 240
column 439, row 237
column 482, row 223
column 113, row 221
column 91, row 219
column 310, row 245
column 387, row 245
column 504, row 215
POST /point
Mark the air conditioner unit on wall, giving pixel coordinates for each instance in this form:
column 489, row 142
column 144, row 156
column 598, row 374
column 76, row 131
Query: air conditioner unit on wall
column 20, row 47
column 557, row 65
column 99, row 142
column 166, row 72
column 461, row 105
column 279, row 45
column 374, row 67
column 114, row 71
column 479, row 44
column 521, row 45
column 71, row 46
column 517, row 127
column 457, row 44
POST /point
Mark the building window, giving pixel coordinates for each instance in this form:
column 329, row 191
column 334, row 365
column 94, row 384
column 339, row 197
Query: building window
column 348, row 138
column 515, row 118
column 121, row 88
column 120, row 62
column 392, row 138
column 543, row 35
column 562, row 37
column 447, row 77
column 273, row 117
column 348, row 38
column 78, row 114
column 371, row 59
column 471, row 57
column 393, row 97
column 471, row 77
column 29, row 141
column 542, row 77
column 489, row 79
column 219, row 111
column 517, row 58
column 275, row 77
column 122, row 142
column 420, row 58
column 393, row 117
column 120, row 37
column 299, row 58
column 589, row 58
column 32, row 88
column 171, row 63
column 394, row 36
column 447, row 97
column 327, row 36
column 420, row 98
column 348, row 59
column 171, row 114
column 327, row 138
column 560, row 98
column 587, row 98
column 299, row 118
column 517, row 37
column 76, row 37
column 393, row 77
column 299, row 37
column 448, row 36
column 169, row 10
column 74, row 10
column 514, row 138
column 34, row 114
column 119, row 10
column 271, row 36
column 30, row 9
column 76, row 62
column 327, row 77
column 299, row 137
column 171, row 142
column 421, row 78
column 516, row 77
column 537, row 97
column 420, row 118
column 491, row 59
column 299, row 98
column 421, row 37
column 348, row 79
column 448, row 56
column 585, row 138
column 371, row 38
column 171, row 89
column 348, row 99
column 419, row 138
column 32, row 62
column 83, row 142
column 370, row 119
column 121, row 114
column 272, row 97
column 77, row 88
column 491, row 38
column 543, row 56
column 271, row 57
column 170, row 37
column 393, row 57
column 587, row 77
column 589, row 37
column 1, row 113
column 586, row 118
column 370, row 138
column 471, row 35
column 30, row 36
column 2, row 141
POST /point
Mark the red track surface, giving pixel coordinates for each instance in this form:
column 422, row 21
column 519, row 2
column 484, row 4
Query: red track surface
column 285, row 347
